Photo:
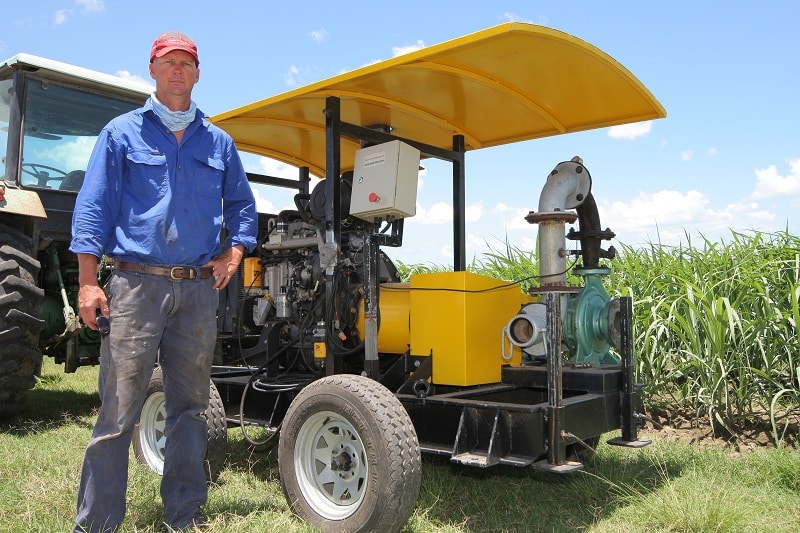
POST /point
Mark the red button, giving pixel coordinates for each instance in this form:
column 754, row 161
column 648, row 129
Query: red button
column 373, row 197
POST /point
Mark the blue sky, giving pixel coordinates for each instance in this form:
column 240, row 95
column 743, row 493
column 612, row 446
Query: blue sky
column 726, row 157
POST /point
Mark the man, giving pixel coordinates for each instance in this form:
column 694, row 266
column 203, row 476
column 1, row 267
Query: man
column 158, row 186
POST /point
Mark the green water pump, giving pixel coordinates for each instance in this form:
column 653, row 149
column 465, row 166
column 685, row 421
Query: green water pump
column 590, row 319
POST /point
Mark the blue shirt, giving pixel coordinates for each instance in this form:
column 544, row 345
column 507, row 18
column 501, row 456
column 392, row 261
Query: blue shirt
column 148, row 199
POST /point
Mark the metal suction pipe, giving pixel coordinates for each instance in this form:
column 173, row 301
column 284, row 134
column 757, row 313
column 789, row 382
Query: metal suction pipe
column 567, row 187
column 552, row 253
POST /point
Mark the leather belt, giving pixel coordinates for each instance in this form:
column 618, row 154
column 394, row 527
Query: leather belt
column 175, row 272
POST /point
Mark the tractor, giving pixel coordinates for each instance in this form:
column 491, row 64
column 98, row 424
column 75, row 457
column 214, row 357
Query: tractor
column 355, row 371
column 50, row 116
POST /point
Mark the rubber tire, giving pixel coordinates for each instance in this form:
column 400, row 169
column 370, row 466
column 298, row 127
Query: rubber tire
column 149, row 438
column 20, row 322
column 381, row 443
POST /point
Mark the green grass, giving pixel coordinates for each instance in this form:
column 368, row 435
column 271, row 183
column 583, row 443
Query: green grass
column 668, row 486
column 716, row 330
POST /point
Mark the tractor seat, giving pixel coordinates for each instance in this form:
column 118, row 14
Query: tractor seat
column 72, row 181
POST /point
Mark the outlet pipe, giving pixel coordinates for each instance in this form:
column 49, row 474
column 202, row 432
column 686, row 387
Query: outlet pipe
column 567, row 187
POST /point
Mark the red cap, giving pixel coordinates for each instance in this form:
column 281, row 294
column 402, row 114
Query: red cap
column 173, row 40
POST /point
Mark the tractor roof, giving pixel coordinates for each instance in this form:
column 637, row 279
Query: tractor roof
column 508, row 83
column 66, row 72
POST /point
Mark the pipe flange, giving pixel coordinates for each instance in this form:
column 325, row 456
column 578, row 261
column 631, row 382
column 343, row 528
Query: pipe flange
column 605, row 235
column 553, row 216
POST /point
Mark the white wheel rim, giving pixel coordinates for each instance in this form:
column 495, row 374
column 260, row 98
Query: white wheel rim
column 152, row 431
column 331, row 466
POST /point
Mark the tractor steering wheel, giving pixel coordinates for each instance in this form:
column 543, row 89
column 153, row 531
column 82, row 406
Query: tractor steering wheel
column 39, row 171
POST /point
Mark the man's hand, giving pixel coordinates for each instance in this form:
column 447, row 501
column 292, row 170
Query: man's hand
column 225, row 265
column 90, row 299
column 90, row 296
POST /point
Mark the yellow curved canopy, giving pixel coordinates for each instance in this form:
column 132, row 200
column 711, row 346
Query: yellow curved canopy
column 504, row 84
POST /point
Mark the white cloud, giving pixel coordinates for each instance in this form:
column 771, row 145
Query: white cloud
column 473, row 213
column 513, row 218
column 290, row 78
column 668, row 216
column 91, row 6
column 263, row 205
column 271, row 199
column 132, row 77
column 69, row 156
column 273, row 167
column 442, row 213
column 438, row 213
column 770, row 184
column 318, row 35
column 396, row 51
column 513, row 17
column 665, row 205
column 87, row 6
column 687, row 155
column 712, row 152
column 60, row 17
column 630, row 131
column 400, row 50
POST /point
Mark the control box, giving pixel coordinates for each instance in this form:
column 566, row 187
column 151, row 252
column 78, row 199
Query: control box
column 385, row 181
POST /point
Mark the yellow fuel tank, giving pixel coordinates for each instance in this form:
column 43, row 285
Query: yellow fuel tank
column 393, row 333
column 459, row 317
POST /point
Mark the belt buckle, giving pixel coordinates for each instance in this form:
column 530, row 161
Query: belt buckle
column 192, row 273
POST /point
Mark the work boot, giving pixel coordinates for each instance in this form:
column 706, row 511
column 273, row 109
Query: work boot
column 197, row 524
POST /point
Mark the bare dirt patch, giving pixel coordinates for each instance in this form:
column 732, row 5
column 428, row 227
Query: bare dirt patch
column 748, row 433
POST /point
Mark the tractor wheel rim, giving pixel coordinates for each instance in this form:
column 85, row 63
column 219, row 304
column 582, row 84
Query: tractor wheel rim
column 330, row 464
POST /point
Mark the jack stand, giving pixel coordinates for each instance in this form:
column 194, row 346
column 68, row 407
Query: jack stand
column 630, row 396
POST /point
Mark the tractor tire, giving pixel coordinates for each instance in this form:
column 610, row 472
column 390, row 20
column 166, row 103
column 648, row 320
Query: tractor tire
column 20, row 309
column 349, row 457
column 150, row 438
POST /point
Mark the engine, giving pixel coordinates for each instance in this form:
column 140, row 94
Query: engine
column 283, row 290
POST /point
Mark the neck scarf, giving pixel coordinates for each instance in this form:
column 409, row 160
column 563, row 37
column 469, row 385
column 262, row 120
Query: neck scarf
column 174, row 120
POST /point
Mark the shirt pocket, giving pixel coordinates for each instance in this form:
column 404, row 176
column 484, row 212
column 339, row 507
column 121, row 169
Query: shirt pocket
column 208, row 176
column 147, row 172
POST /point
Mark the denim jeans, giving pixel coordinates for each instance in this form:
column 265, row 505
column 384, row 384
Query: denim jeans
column 153, row 318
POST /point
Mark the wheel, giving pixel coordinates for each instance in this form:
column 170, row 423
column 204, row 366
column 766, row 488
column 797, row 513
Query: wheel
column 20, row 309
column 348, row 456
column 150, row 437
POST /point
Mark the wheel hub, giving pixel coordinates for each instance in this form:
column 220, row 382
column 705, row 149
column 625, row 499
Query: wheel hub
column 343, row 459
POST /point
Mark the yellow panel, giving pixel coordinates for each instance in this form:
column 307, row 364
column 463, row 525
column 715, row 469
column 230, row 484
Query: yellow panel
column 504, row 84
column 393, row 334
column 459, row 317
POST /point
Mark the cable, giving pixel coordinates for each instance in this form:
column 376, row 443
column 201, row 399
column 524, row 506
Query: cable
column 567, row 435
column 244, row 395
column 472, row 291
